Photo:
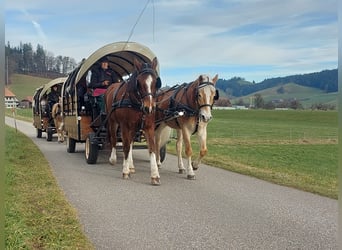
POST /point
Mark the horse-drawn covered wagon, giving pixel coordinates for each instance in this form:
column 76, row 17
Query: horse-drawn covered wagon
column 83, row 120
column 43, row 100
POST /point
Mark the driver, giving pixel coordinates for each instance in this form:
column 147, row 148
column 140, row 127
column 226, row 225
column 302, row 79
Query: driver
column 101, row 79
column 53, row 96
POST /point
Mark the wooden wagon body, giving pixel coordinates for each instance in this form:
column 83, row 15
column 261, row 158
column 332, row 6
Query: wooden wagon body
column 41, row 112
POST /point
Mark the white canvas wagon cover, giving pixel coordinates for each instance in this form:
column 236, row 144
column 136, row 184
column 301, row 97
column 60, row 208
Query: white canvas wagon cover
column 48, row 85
column 121, row 58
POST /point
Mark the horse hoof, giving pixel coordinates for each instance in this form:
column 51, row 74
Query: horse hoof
column 194, row 166
column 112, row 161
column 181, row 171
column 191, row 177
column 125, row 176
column 155, row 181
column 132, row 170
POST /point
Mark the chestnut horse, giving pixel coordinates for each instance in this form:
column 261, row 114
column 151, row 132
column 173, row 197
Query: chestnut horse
column 57, row 116
column 187, row 109
column 131, row 105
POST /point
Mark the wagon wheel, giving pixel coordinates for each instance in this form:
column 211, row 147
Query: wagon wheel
column 71, row 145
column 162, row 153
column 49, row 134
column 91, row 149
column 39, row 133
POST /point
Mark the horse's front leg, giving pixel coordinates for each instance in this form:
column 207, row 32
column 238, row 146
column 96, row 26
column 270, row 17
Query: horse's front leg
column 127, row 146
column 130, row 159
column 155, row 177
column 188, row 153
column 61, row 132
column 202, row 141
column 157, row 136
column 179, row 148
column 112, row 129
column 59, row 137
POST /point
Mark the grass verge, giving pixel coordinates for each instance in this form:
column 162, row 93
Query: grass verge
column 21, row 114
column 37, row 215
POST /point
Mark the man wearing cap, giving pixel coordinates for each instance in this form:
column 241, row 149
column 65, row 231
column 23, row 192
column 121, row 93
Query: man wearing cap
column 101, row 79
column 53, row 96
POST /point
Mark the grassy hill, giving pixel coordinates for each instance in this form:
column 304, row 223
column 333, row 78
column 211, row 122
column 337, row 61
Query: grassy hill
column 25, row 85
column 306, row 95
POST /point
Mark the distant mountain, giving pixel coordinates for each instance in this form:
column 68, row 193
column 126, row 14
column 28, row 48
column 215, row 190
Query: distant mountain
column 326, row 81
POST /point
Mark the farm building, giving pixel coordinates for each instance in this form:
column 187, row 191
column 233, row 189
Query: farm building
column 10, row 99
column 26, row 102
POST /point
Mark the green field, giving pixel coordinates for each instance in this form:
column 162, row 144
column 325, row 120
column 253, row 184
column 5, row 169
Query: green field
column 292, row 148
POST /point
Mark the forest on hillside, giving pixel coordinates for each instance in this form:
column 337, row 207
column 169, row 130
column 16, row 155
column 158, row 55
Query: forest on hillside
column 326, row 80
column 24, row 59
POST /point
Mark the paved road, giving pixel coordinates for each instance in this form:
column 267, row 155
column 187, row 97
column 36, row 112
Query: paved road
column 219, row 210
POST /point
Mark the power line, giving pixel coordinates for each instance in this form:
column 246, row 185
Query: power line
column 138, row 19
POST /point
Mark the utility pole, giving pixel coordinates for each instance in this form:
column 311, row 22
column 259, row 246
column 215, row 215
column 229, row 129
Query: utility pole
column 6, row 71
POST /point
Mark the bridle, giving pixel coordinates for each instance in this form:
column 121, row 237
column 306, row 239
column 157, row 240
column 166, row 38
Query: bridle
column 146, row 70
column 202, row 85
column 133, row 96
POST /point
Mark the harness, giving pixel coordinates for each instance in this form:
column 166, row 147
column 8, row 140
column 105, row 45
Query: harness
column 126, row 99
column 177, row 108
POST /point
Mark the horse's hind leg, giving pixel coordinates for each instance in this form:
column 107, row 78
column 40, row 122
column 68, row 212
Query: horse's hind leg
column 179, row 148
column 162, row 135
column 62, row 133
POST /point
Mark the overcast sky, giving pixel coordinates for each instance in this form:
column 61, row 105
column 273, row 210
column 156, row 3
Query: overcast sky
column 253, row 39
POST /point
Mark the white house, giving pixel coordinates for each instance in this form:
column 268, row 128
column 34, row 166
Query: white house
column 10, row 99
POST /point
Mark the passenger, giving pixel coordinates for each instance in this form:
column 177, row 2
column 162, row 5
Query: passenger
column 101, row 79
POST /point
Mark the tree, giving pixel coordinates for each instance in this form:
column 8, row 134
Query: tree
column 258, row 101
column 269, row 105
column 28, row 57
column 23, row 59
column 295, row 104
column 223, row 102
column 281, row 90
column 240, row 102
column 39, row 59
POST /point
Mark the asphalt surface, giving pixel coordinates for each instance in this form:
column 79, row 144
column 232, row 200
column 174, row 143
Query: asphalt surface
column 218, row 210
